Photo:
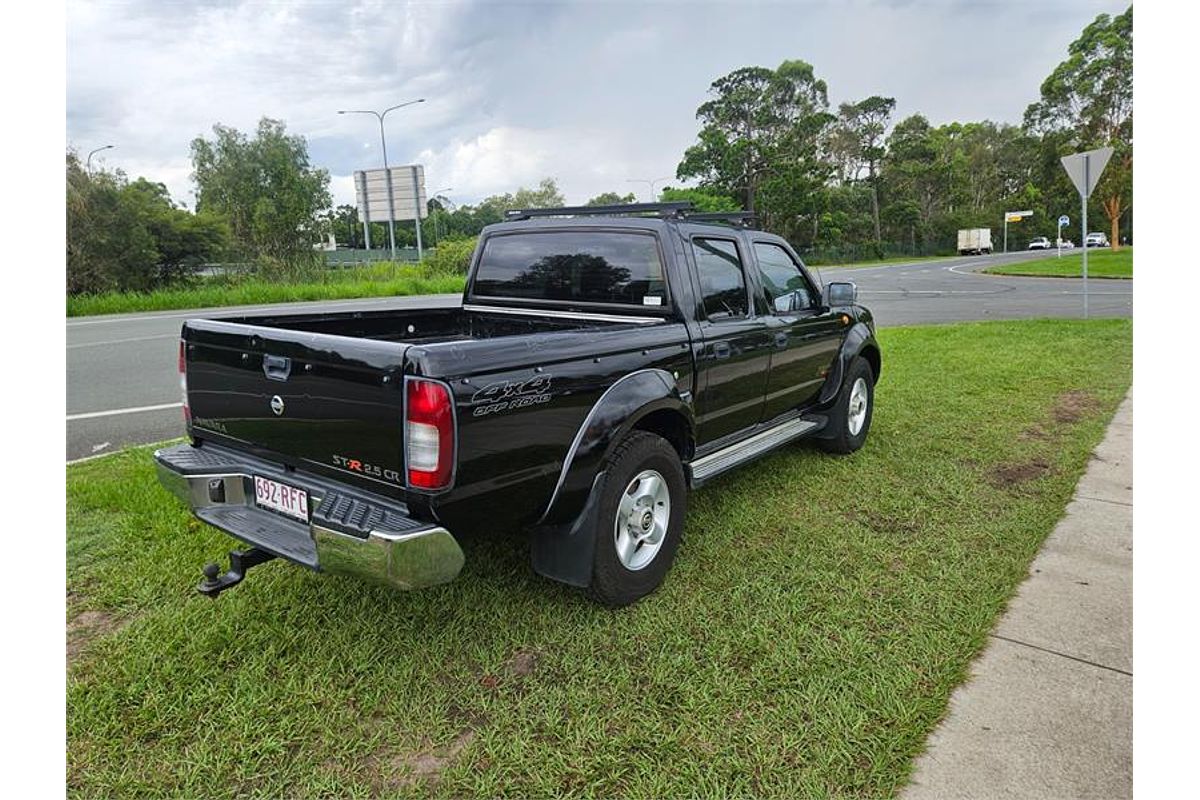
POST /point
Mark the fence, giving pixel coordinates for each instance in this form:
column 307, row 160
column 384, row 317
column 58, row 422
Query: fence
column 347, row 257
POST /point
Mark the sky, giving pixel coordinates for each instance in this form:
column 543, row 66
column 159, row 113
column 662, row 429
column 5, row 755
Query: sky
column 600, row 96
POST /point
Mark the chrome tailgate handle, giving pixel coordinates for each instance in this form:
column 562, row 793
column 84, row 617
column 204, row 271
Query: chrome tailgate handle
column 277, row 368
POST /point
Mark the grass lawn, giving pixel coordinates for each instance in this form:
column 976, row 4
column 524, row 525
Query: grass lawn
column 819, row 614
column 1102, row 263
column 381, row 280
column 883, row 262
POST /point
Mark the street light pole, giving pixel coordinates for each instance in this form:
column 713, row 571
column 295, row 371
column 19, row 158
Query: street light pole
column 653, row 194
column 387, row 172
column 97, row 150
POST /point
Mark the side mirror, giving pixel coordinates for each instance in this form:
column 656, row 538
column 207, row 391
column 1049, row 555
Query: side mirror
column 839, row 293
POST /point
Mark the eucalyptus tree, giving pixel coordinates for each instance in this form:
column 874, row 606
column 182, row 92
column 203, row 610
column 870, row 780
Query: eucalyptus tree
column 760, row 125
column 1089, row 97
column 274, row 200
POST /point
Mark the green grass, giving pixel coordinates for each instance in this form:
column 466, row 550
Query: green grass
column 1101, row 264
column 819, row 614
column 883, row 262
column 381, row 280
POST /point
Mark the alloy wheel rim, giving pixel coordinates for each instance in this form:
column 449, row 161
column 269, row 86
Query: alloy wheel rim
column 856, row 415
column 643, row 514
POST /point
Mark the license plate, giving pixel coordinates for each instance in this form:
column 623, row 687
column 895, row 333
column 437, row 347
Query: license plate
column 282, row 498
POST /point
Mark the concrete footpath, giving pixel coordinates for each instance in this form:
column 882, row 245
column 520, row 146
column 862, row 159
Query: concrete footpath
column 1048, row 712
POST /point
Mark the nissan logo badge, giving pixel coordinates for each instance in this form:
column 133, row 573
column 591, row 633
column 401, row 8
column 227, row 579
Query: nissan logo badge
column 277, row 405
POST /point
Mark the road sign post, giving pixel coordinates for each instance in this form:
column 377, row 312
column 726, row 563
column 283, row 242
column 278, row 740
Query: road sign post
column 397, row 193
column 1084, row 170
column 1063, row 222
column 417, row 194
column 1013, row 216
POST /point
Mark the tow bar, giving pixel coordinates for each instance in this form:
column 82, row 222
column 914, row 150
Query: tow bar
column 240, row 561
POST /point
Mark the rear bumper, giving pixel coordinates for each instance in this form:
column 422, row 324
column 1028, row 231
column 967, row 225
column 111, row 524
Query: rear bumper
column 347, row 532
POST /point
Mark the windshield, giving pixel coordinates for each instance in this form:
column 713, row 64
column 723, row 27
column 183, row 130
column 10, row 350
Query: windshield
column 573, row 266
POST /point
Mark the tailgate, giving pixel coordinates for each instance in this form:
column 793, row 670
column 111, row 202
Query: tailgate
column 315, row 401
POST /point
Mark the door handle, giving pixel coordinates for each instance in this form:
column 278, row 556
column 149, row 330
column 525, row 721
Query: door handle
column 781, row 339
column 721, row 349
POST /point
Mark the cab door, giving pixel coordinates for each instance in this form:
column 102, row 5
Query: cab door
column 734, row 360
column 805, row 336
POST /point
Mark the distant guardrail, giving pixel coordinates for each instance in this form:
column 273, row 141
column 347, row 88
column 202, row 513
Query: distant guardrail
column 346, row 257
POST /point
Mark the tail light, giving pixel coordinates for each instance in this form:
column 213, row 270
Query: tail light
column 187, row 412
column 429, row 434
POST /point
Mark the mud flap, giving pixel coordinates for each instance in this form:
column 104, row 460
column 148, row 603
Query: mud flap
column 565, row 553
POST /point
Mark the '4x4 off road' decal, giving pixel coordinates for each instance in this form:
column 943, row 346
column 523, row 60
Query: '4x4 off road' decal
column 511, row 395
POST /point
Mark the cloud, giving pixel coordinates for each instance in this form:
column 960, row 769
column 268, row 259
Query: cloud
column 592, row 94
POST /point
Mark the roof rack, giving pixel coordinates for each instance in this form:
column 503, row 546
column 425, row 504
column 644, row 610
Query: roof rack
column 740, row 219
column 682, row 210
column 662, row 209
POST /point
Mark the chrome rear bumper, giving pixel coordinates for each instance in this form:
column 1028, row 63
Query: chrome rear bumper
column 347, row 532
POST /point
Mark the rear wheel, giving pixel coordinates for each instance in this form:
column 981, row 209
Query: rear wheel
column 850, row 420
column 642, row 504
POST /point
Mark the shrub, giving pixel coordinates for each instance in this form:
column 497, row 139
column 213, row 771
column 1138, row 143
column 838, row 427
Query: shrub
column 451, row 257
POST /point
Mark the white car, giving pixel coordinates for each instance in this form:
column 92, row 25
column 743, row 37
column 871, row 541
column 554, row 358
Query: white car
column 1066, row 244
column 1095, row 240
column 1039, row 243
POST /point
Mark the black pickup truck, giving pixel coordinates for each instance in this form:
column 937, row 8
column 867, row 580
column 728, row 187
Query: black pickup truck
column 602, row 361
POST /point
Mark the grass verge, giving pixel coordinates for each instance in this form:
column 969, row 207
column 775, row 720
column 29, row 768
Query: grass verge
column 819, row 614
column 883, row 262
column 1101, row 264
column 382, row 280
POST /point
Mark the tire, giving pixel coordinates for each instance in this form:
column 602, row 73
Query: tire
column 849, row 427
column 643, row 477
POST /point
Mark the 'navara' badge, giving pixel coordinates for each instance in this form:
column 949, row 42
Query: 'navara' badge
column 277, row 405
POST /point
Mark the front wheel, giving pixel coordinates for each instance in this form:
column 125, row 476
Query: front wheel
column 850, row 419
column 642, row 504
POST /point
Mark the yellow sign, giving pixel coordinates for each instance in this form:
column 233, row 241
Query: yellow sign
column 1015, row 218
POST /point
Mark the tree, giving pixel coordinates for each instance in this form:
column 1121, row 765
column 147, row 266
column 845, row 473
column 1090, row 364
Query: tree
column 757, row 121
column 701, row 200
column 546, row 195
column 612, row 199
column 343, row 224
column 182, row 241
column 1090, row 96
column 124, row 236
column 916, row 170
column 858, row 139
column 266, row 189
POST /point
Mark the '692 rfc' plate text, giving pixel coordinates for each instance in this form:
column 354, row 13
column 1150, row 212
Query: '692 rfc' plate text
column 287, row 500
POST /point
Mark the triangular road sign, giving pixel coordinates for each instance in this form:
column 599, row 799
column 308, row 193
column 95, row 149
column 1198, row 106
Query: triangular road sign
column 1085, row 168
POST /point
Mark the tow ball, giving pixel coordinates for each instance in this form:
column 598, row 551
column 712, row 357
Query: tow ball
column 240, row 562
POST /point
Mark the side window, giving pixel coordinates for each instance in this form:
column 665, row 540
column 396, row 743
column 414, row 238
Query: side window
column 784, row 285
column 722, row 282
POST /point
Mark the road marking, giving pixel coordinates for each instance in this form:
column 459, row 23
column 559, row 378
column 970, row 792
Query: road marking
column 124, row 449
column 931, row 291
column 96, row 448
column 123, row 341
column 114, row 412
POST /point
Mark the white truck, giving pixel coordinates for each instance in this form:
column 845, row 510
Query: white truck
column 974, row 241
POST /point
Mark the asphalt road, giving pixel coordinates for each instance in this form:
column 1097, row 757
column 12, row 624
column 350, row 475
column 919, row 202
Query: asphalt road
column 123, row 387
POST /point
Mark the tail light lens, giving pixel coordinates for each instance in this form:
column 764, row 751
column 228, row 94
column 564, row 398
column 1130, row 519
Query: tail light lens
column 429, row 434
column 187, row 412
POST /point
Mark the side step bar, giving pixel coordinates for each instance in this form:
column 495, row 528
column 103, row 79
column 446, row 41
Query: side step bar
column 725, row 459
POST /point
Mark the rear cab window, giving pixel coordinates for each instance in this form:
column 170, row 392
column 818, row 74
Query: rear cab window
column 572, row 268
column 722, row 278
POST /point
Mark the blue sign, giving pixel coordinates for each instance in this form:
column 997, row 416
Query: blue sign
column 1064, row 221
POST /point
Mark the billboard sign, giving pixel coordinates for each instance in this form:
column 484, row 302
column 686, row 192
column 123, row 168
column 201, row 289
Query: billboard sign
column 408, row 197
